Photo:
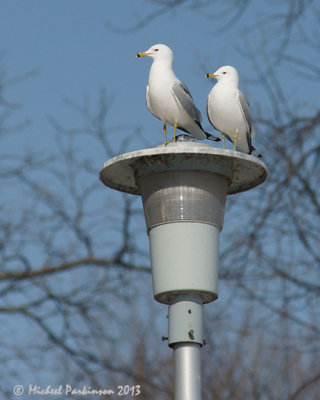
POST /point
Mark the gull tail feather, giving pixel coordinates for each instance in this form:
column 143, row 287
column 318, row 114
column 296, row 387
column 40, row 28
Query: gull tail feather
column 254, row 152
column 212, row 137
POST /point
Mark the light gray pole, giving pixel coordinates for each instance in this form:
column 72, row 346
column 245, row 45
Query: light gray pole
column 183, row 188
column 185, row 338
column 187, row 371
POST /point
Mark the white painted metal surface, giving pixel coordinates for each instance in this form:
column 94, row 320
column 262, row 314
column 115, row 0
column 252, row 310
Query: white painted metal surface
column 243, row 170
column 184, row 187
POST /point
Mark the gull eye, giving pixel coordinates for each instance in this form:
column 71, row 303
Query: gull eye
column 156, row 49
column 224, row 72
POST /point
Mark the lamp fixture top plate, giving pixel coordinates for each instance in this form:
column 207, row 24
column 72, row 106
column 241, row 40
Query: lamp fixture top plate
column 244, row 171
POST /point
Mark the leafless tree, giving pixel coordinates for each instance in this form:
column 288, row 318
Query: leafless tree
column 73, row 255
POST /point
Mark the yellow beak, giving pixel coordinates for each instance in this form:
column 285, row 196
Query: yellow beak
column 142, row 54
column 210, row 75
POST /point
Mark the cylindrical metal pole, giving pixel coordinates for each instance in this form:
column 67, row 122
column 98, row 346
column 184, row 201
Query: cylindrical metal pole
column 185, row 338
column 187, row 371
column 183, row 188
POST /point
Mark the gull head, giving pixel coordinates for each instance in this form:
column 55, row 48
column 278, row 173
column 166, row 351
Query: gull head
column 158, row 52
column 226, row 73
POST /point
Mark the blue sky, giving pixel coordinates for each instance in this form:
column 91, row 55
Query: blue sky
column 73, row 54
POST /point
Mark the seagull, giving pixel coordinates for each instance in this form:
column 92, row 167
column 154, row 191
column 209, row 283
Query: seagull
column 228, row 110
column 169, row 99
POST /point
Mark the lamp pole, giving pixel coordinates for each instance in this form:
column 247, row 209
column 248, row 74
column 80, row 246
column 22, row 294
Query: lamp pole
column 183, row 187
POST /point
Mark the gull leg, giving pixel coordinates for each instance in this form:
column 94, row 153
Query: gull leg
column 223, row 140
column 175, row 126
column 235, row 139
column 165, row 133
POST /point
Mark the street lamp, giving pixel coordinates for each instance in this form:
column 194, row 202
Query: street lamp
column 183, row 186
